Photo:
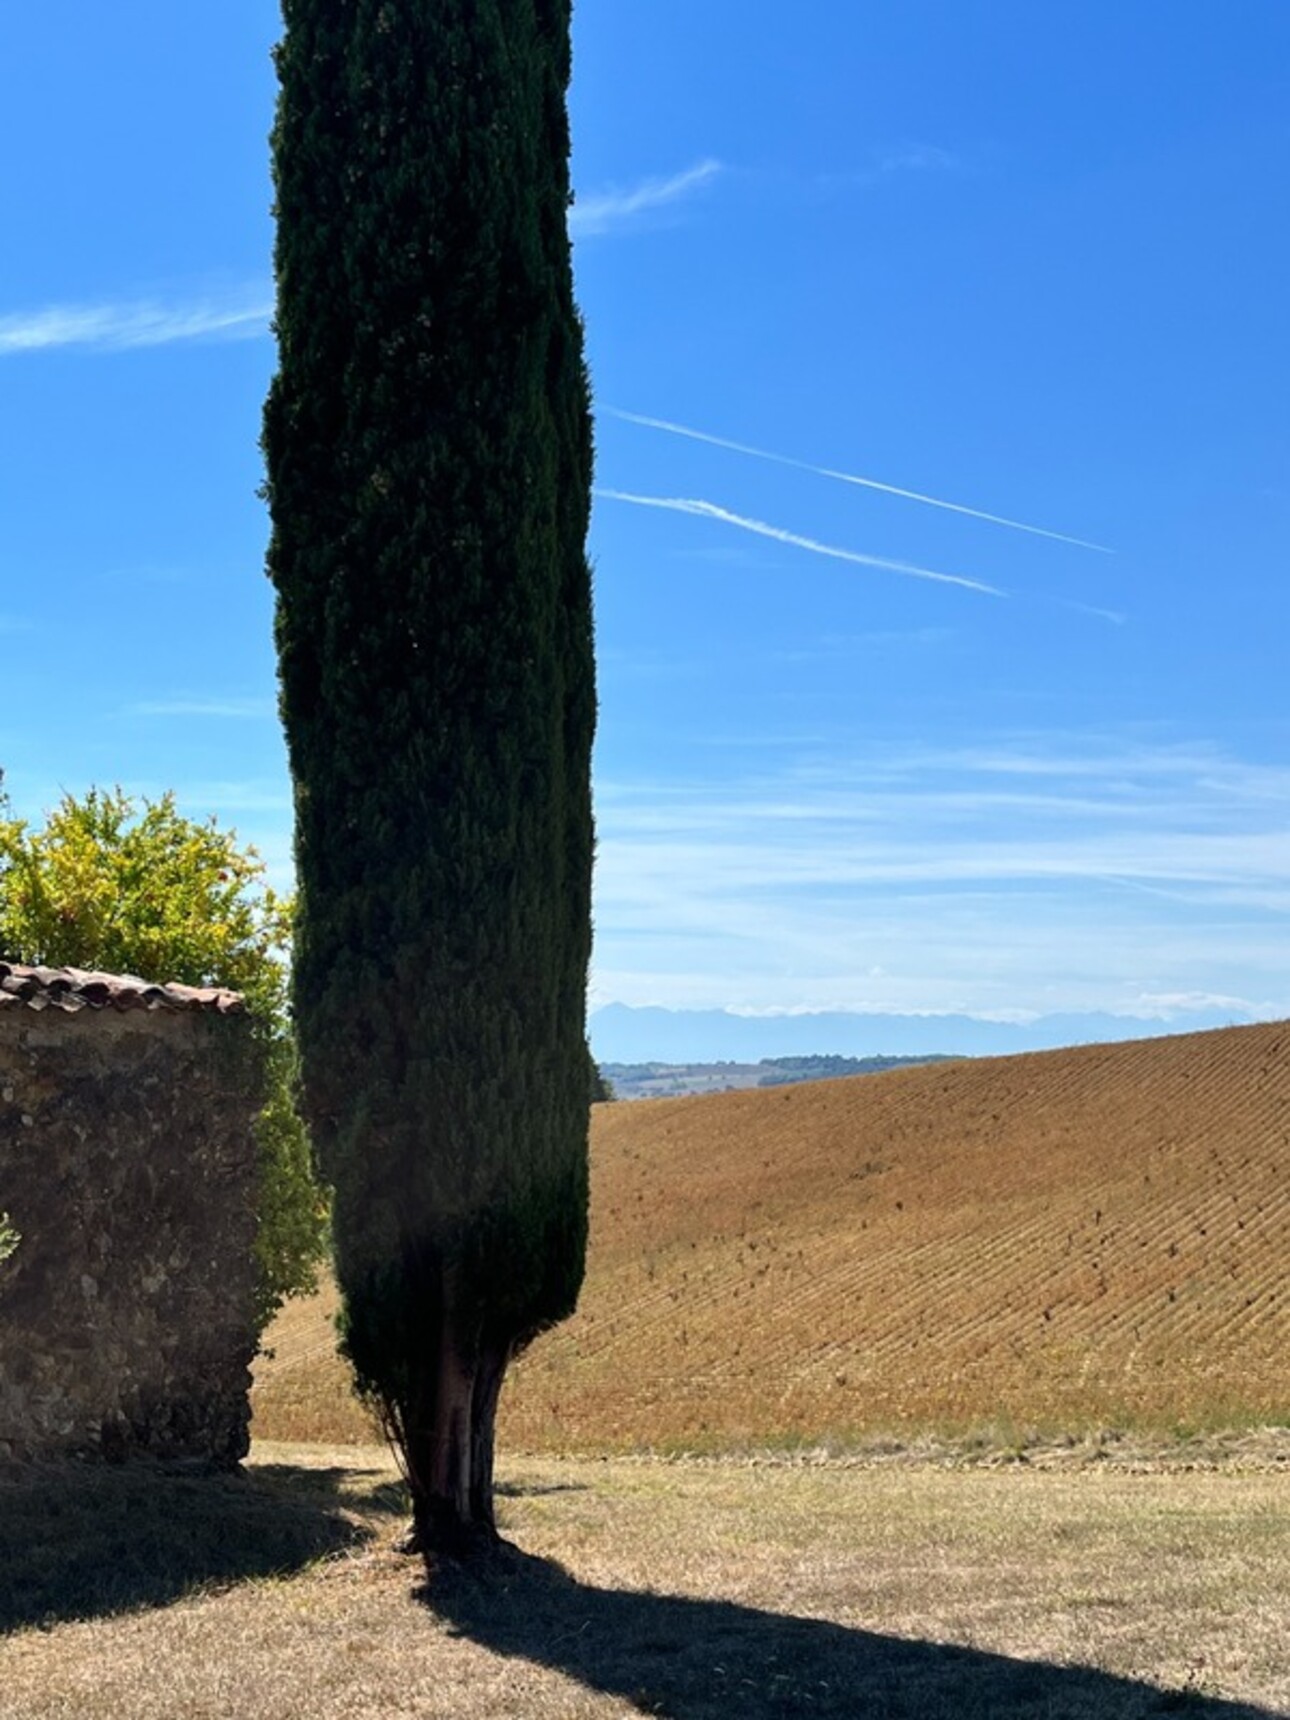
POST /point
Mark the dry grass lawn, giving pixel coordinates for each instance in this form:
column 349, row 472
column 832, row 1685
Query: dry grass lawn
column 1081, row 1585
column 1074, row 1239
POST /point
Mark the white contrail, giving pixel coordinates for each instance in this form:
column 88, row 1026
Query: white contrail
column 847, row 477
column 710, row 511
column 1117, row 616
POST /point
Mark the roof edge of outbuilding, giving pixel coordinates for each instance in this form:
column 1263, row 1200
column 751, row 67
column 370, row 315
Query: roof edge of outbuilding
column 72, row 989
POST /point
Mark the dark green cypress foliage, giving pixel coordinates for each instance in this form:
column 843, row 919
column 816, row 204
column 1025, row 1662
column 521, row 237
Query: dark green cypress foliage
column 428, row 453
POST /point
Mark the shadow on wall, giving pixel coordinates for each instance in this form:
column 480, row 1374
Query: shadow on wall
column 708, row 1660
column 86, row 1541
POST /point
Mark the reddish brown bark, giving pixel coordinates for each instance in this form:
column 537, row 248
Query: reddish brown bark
column 448, row 1448
column 489, row 1374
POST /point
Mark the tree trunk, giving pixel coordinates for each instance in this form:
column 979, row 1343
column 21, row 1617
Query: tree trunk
column 449, row 1451
column 489, row 1374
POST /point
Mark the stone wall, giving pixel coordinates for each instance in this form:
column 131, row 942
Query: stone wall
column 128, row 1166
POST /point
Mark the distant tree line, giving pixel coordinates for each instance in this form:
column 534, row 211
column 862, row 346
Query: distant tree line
column 783, row 1070
column 658, row 1080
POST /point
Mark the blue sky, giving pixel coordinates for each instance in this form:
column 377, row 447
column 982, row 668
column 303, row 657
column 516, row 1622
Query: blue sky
column 858, row 749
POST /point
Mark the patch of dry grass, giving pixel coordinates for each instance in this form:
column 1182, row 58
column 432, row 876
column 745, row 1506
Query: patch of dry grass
column 1079, row 1585
column 82, row 1540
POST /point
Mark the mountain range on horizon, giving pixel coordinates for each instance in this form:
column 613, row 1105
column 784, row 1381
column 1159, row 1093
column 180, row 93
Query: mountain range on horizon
column 623, row 1033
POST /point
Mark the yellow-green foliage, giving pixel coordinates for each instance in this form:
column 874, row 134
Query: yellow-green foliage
column 134, row 887
column 9, row 1238
column 137, row 888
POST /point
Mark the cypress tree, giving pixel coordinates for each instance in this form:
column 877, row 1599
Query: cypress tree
column 428, row 453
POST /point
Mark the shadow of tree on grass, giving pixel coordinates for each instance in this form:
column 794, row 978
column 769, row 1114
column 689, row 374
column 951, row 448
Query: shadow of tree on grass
column 86, row 1540
column 691, row 1659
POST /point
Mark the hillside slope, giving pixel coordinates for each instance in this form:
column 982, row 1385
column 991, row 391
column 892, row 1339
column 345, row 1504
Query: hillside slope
column 1058, row 1240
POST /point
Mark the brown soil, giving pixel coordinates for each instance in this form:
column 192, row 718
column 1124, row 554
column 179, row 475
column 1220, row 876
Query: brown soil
column 1059, row 1241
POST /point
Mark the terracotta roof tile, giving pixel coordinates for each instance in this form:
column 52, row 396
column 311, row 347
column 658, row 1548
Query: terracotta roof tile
column 72, row 989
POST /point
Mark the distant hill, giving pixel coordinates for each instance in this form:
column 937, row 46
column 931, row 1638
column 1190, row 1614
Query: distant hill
column 676, row 1080
column 1060, row 1241
column 622, row 1034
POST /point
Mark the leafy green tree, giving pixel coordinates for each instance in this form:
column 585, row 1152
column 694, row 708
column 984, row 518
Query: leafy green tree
column 136, row 888
column 428, row 453
column 601, row 1087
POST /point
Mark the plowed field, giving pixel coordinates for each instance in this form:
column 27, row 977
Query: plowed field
column 1052, row 1242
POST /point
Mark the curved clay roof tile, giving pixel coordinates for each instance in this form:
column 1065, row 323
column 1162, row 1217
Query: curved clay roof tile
column 72, row 989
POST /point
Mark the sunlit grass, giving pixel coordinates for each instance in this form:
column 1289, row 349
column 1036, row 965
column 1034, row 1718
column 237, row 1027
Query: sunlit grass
column 1082, row 1585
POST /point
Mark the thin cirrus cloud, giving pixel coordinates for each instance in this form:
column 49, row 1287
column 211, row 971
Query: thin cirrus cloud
column 846, row 477
column 125, row 327
column 916, row 158
column 1183, row 823
column 607, row 209
column 245, row 313
column 710, row 511
column 1025, row 871
column 236, row 709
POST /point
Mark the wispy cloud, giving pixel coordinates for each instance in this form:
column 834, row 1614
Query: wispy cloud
column 710, row 511
column 890, row 161
column 846, row 477
column 1030, row 872
column 598, row 212
column 218, row 708
column 240, row 315
column 915, row 158
column 225, row 798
